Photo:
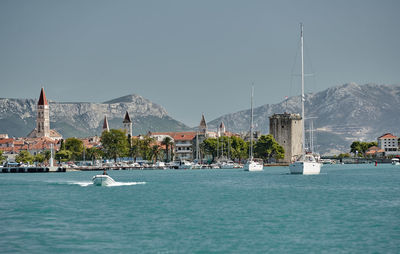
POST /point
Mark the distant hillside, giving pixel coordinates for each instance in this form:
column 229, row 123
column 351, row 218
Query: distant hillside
column 343, row 114
column 18, row 116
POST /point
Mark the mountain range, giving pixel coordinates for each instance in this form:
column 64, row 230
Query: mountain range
column 82, row 119
column 340, row 115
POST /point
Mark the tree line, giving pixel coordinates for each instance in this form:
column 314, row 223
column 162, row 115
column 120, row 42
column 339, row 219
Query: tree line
column 115, row 144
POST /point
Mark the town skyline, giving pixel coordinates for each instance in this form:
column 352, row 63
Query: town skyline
column 203, row 56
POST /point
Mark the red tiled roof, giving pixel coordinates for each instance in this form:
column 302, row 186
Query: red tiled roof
column 387, row 135
column 184, row 136
column 189, row 135
column 6, row 140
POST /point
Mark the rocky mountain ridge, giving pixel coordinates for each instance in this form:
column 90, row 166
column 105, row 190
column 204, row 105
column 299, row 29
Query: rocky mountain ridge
column 80, row 119
column 342, row 114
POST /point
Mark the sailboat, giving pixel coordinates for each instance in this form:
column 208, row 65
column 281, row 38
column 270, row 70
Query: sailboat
column 306, row 164
column 252, row 165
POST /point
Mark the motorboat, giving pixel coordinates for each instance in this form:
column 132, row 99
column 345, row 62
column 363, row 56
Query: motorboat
column 396, row 161
column 102, row 180
column 185, row 165
column 160, row 165
column 227, row 165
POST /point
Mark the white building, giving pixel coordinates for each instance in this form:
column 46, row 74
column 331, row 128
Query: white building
column 182, row 143
column 389, row 143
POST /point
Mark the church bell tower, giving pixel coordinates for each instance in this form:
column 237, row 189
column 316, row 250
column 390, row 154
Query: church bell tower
column 43, row 116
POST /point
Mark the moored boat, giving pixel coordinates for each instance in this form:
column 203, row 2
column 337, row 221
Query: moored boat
column 306, row 164
column 251, row 164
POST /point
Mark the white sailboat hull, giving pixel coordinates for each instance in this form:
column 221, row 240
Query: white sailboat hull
column 253, row 166
column 102, row 180
column 305, row 168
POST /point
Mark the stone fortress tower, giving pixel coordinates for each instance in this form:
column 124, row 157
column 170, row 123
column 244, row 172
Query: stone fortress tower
column 287, row 131
column 127, row 124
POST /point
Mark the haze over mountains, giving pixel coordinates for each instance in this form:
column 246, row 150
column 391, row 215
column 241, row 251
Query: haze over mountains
column 342, row 114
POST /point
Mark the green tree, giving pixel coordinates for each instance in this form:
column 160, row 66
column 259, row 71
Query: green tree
column 239, row 148
column 24, row 157
column 47, row 155
column 75, row 146
column 343, row 155
column 236, row 146
column 267, row 148
column 2, row 158
column 114, row 144
column 167, row 142
column 134, row 150
column 94, row 153
column 155, row 151
column 63, row 156
column 209, row 146
column 145, row 147
column 39, row 158
column 62, row 144
column 361, row 147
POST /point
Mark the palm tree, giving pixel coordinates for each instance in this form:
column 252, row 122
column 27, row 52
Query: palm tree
column 167, row 141
column 155, row 151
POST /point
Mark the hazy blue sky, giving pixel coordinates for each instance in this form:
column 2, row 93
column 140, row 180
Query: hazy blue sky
column 193, row 56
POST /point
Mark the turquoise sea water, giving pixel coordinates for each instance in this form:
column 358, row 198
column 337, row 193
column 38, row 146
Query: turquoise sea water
column 345, row 209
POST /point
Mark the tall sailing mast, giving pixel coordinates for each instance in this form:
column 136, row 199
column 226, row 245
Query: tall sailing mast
column 302, row 88
column 251, row 124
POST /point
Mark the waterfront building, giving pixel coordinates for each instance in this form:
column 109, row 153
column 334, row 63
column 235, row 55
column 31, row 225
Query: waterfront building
column 90, row 142
column 389, row 143
column 375, row 151
column 127, row 124
column 43, row 120
column 32, row 145
column 182, row 142
column 287, row 130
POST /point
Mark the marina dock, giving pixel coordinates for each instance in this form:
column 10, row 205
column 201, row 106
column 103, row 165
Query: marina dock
column 32, row 169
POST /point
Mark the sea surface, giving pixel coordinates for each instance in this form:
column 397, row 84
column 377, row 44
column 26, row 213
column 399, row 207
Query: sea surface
column 345, row 209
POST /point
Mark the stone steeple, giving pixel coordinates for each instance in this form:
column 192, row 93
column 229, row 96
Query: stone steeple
column 127, row 124
column 203, row 125
column 105, row 124
column 221, row 129
column 43, row 116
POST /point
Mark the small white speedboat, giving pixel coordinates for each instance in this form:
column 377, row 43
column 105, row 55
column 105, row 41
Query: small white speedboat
column 102, row 180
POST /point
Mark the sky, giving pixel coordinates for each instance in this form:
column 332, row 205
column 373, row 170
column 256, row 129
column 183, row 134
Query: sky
column 193, row 57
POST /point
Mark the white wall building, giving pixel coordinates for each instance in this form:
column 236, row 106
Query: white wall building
column 389, row 143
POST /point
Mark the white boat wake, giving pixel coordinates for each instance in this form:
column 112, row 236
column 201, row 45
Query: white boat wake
column 115, row 184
